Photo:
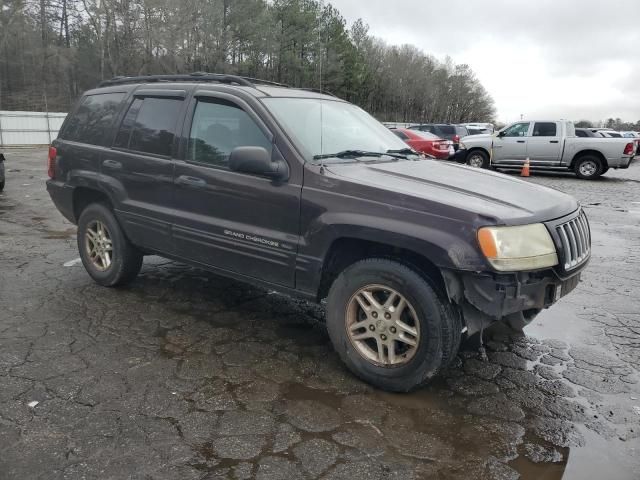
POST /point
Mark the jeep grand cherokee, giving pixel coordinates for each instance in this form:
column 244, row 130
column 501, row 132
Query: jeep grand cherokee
column 304, row 193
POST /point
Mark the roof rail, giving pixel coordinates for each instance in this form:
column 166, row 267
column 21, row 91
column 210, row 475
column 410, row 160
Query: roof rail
column 191, row 77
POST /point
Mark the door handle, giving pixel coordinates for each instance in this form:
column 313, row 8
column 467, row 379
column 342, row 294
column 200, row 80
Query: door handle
column 553, row 141
column 520, row 141
column 112, row 164
column 191, row 181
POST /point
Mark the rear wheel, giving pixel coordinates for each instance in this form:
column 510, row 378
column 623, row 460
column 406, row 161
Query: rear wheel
column 478, row 159
column 588, row 167
column 389, row 326
column 107, row 255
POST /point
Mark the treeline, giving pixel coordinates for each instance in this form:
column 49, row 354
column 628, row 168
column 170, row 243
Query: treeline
column 615, row 123
column 52, row 50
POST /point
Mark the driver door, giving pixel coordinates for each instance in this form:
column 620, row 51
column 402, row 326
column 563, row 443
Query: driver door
column 512, row 145
column 237, row 222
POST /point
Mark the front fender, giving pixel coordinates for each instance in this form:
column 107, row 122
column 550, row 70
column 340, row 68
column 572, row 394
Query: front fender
column 449, row 244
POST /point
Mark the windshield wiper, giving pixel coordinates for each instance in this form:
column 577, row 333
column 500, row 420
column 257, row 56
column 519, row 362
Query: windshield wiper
column 348, row 154
column 364, row 153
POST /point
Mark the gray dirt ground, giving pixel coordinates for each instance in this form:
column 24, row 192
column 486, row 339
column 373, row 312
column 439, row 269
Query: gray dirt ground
column 185, row 375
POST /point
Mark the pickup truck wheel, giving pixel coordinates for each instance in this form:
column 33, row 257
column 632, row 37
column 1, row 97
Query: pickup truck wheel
column 588, row 167
column 106, row 253
column 389, row 325
column 478, row 159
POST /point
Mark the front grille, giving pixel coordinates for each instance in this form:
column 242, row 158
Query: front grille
column 576, row 241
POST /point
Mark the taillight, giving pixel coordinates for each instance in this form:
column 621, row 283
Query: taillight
column 51, row 162
column 628, row 150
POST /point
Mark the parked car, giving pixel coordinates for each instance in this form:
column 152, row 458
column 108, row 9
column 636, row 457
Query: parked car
column 550, row 145
column 425, row 142
column 478, row 131
column 446, row 131
column 486, row 127
column 610, row 134
column 306, row 194
column 2, row 172
column 587, row 132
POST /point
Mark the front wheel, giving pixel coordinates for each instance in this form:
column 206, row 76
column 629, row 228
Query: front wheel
column 107, row 255
column 389, row 325
column 588, row 167
column 478, row 159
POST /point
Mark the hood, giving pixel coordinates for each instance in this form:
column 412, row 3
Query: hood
column 500, row 198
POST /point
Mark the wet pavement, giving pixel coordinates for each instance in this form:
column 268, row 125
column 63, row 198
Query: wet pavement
column 191, row 376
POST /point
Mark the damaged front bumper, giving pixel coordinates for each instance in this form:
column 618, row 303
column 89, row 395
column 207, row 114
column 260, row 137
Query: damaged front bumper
column 487, row 297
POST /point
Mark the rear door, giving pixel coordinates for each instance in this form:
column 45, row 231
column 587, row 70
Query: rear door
column 238, row 222
column 512, row 146
column 545, row 146
column 140, row 166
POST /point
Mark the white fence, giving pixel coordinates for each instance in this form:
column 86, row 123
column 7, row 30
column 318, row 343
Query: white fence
column 29, row 128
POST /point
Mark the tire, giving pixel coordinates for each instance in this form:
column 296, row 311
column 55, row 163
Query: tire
column 588, row 167
column 438, row 328
column 478, row 159
column 518, row 321
column 125, row 259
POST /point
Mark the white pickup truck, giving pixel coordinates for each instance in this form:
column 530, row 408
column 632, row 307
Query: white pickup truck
column 549, row 145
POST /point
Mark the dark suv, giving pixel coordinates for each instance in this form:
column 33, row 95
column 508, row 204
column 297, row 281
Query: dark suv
column 444, row 130
column 306, row 194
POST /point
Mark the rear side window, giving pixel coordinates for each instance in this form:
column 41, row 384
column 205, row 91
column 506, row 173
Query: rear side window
column 149, row 125
column 545, row 129
column 92, row 119
column 447, row 129
column 218, row 127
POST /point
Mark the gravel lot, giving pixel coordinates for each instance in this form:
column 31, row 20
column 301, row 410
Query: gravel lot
column 185, row 375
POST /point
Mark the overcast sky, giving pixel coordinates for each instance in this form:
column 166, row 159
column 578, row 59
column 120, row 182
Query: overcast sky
column 569, row 59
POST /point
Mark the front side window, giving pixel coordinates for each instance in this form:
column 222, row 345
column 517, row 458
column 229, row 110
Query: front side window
column 326, row 127
column 93, row 118
column 218, row 127
column 545, row 129
column 149, row 125
column 517, row 130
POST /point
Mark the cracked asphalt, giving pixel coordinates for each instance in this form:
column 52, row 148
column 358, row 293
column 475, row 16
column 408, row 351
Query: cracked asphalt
column 185, row 375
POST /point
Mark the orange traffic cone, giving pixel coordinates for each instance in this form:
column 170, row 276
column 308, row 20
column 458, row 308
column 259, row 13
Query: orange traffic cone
column 525, row 169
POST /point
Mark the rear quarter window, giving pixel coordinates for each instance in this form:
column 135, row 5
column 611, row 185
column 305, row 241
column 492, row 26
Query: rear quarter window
column 447, row 129
column 91, row 121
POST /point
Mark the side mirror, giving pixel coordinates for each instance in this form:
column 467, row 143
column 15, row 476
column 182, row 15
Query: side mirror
column 257, row 161
column 501, row 133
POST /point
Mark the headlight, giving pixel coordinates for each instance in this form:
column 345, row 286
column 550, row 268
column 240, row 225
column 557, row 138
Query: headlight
column 462, row 145
column 526, row 247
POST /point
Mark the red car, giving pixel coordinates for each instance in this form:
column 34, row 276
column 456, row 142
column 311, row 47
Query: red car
column 425, row 142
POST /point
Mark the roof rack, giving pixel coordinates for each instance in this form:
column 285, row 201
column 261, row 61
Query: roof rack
column 191, row 77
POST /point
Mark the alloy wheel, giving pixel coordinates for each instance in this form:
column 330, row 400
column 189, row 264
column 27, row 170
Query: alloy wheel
column 475, row 161
column 382, row 326
column 588, row 168
column 99, row 246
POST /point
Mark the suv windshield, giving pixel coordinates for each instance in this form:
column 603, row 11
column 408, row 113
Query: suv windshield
column 325, row 127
